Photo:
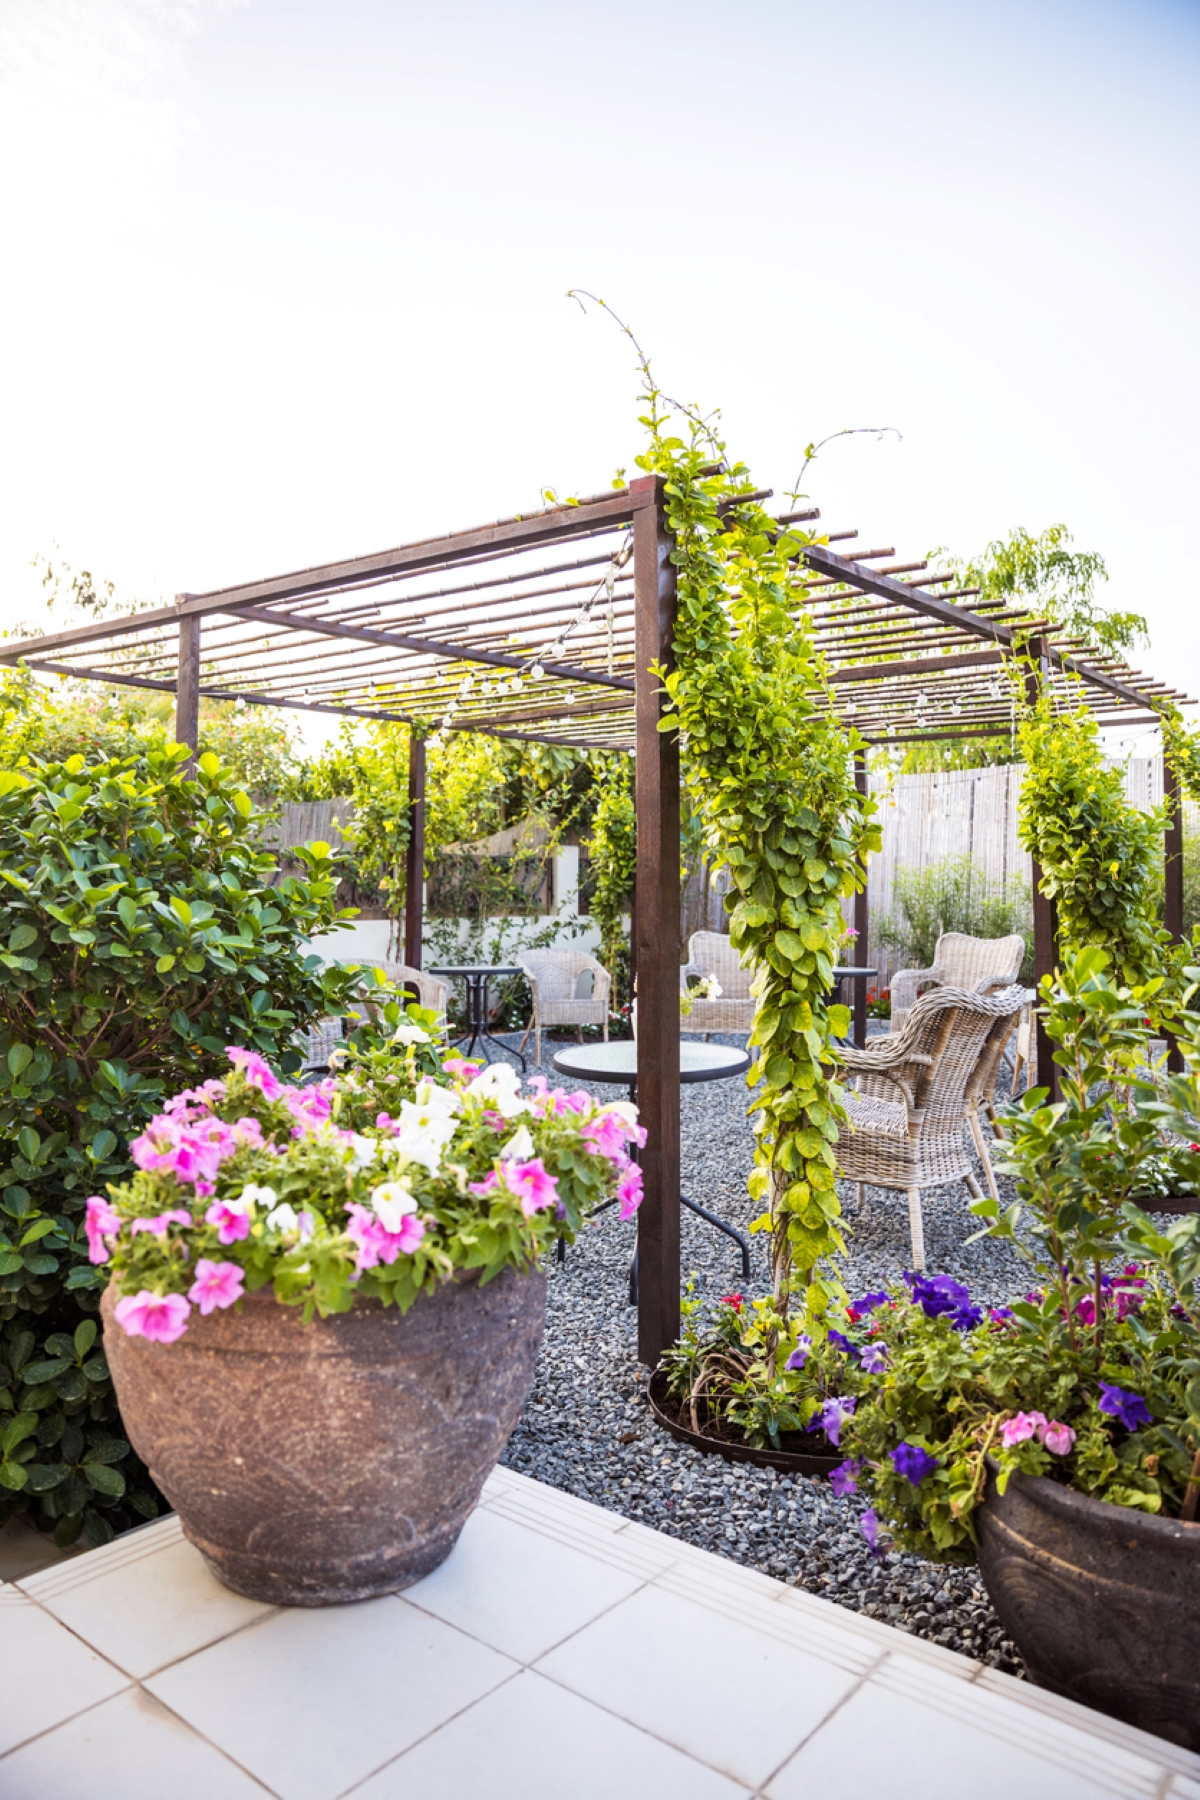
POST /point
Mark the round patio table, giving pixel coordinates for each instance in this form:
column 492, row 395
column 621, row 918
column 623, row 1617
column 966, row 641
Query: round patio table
column 617, row 1063
column 475, row 978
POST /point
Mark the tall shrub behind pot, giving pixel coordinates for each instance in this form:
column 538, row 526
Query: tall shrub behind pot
column 326, row 1301
column 1101, row 1599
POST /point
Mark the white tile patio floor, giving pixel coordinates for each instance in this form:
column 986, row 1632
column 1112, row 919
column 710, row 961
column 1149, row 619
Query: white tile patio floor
column 562, row 1653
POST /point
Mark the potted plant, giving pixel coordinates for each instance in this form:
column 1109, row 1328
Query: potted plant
column 325, row 1302
column 1057, row 1439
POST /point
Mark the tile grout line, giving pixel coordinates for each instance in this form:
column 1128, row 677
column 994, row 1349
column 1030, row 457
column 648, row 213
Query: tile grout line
column 220, row 1750
column 521, row 1669
column 836, row 1708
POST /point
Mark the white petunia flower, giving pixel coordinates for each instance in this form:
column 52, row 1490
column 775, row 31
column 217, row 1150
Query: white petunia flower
column 519, row 1146
column 393, row 1202
column 363, row 1151
column 500, row 1088
column 410, row 1034
column 253, row 1197
column 282, row 1218
column 423, row 1133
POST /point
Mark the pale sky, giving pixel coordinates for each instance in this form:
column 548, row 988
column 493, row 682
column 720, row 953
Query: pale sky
column 284, row 279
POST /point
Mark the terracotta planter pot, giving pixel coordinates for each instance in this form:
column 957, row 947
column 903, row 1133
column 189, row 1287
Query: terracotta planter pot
column 1102, row 1601
column 311, row 1464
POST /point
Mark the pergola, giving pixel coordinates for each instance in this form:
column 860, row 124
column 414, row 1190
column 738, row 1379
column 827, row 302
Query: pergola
column 543, row 628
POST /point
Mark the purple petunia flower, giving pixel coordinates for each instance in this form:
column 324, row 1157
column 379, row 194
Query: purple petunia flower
column 843, row 1344
column 844, row 1479
column 869, row 1525
column 1130, row 1409
column 799, row 1355
column 859, row 1308
column 913, row 1462
column 833, row 1416
column 941, row 1296
column 875, row 1359
column 1000, row 1315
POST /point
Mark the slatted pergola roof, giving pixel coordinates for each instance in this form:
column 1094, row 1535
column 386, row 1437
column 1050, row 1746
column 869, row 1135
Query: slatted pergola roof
column 545, row 628
column 525, row 628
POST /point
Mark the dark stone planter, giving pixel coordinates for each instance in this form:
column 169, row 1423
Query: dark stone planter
column 1102, row 1601
column 789, row 1462
column 311, row 1464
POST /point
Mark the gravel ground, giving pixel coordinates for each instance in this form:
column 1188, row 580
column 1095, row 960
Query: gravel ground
column 588, row 1431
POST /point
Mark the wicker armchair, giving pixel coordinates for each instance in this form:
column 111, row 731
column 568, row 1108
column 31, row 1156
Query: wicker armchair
column 711, row 953
column 958, row 962
column 904, row 1126
column 553, row 976
column 981, row 1091
column 323, row 1037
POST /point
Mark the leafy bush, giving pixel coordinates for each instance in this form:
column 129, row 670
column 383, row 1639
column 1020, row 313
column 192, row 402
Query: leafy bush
column 141, row 936
column 954, row 895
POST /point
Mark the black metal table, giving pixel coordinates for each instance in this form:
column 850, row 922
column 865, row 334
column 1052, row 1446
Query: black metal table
column 617, row 1063
column 475, row 978
column 852, row 972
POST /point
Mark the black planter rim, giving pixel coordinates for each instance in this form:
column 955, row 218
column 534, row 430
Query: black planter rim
column 1069, row 1503
column 788, row 1462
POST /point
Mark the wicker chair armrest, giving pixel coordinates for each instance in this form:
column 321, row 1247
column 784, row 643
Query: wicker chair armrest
column 905, row 984
column 890, row 1055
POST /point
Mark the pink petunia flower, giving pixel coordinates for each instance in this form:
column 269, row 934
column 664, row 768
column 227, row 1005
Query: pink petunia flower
column 231, row 1218
column 629, row 1191
column 459, row 1069
column 256, row 1069
column 376, row 1244
column 100, row 1221
column 160, row 1317
column 1058, row 1439
column 1016, row 1431
column 532, row 1183
column 158, row 1225
column 216, row 1284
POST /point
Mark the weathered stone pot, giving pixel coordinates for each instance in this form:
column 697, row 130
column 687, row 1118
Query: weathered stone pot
column 1102, row 1601
column 311, row 1464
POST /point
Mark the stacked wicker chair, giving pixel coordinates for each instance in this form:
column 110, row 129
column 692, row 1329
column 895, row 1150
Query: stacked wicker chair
column 711, row 953
column 958, row 962
column 553, row 976
column 916, row 1090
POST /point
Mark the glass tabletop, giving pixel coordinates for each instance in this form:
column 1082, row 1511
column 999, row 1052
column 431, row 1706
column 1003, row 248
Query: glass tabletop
column 618, row 1062
column 841, row 974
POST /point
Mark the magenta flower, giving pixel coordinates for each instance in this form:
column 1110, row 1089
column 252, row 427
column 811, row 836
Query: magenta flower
column 913, row 1462
column 1058, row 1439
column 216, row 1284
column 629, row 1191
column 532, row 1183
column 607, row 1135
column 100, row 1221
column 1017, row 1430
column 256, row 1069
column 158, row 1224
column 160, row 1317
column 231, row 1218
column 376, row 1244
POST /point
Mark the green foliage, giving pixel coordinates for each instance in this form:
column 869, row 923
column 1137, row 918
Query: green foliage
column 769, row 772
column 1046, row 574
column 142, row 936
column 61, row 1460
column 1099, row 855
column 953, row 895
column 612, row 850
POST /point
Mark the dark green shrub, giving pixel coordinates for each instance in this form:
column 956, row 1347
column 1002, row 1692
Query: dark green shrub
column 140, row 936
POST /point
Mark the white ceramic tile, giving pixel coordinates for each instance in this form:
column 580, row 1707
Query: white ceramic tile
column 518, row 1590
column 312, row 1700
column 1183, row 1788
column 531, row 1740
column 45, row 1673
column 926, row 1736
column 725, row 1693
column 1098, row 1728
column 131, row 1748
column 150, row 1610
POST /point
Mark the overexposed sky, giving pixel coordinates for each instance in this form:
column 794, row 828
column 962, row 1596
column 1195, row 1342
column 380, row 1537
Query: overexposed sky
column 285, row 278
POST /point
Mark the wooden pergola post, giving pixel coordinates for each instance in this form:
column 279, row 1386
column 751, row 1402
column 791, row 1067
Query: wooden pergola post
column 656, row 927
column 1173, row 881
column 187, row 685
column 1045, row 915
column 860, row 921
column 414, row 861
